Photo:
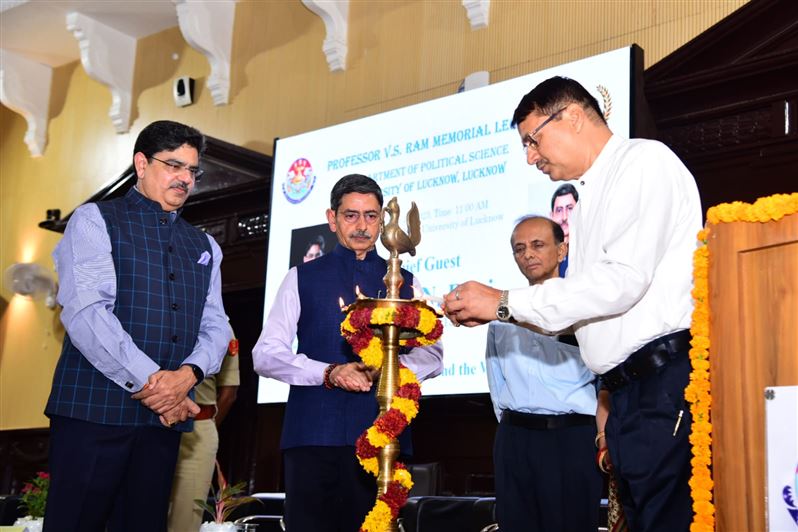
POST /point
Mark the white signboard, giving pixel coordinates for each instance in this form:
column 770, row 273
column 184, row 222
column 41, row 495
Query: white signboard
column 781, row 425
column 460, row 160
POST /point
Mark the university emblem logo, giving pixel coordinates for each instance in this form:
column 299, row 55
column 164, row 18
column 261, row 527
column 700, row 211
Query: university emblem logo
column 299, row 181
column 788, row 494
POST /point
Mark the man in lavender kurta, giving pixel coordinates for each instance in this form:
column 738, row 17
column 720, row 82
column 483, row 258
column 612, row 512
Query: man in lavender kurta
column 332, row 397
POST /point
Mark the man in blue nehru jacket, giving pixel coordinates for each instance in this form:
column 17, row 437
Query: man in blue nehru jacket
column 332, row 398
column 142, row 309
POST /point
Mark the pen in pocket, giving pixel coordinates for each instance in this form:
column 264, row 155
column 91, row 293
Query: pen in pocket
column 678, row 422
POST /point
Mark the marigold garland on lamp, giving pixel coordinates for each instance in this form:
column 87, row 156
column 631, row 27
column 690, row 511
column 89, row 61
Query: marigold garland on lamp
column 407, row 323
column 375, row 328
column 356, row 328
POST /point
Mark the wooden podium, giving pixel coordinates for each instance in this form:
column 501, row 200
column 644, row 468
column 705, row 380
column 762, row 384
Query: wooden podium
column 753, row 284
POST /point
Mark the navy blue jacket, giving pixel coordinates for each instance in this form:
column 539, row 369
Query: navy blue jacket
column 315, row 415
column 161, row 292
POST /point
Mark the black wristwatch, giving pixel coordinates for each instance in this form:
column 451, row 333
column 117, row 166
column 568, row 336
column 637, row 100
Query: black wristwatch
column 198, row 374
column 503, row 310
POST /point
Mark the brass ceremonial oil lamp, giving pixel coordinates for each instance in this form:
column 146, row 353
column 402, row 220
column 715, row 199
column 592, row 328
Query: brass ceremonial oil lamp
column 391, row 322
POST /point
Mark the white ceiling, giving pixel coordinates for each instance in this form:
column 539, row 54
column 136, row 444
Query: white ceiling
column 36, row 29
column 34, row 39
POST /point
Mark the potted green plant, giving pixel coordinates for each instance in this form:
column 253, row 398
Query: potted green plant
column 226, row 499
column 34, row 499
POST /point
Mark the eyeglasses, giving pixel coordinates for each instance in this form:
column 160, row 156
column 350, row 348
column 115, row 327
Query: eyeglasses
column 529, row 138
column 371, row 217
column 175, row 167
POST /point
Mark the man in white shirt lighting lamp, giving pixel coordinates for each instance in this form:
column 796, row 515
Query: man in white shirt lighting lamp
column 627, row 293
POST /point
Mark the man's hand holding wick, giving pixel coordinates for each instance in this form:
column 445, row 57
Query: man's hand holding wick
column 471, row 304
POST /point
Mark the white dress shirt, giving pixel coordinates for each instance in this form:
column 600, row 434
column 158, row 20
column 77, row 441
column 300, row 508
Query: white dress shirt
column 632, row 239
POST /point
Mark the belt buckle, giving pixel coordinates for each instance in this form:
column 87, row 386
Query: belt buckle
column 616, row 380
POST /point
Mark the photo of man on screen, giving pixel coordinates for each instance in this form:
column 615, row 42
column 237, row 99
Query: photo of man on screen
column 562, row 203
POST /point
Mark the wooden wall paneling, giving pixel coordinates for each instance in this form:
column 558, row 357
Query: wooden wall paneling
column 242, row 438
column 726, row 103
column 753, row 300
column 22, row 454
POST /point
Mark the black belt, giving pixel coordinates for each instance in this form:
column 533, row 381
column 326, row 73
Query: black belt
column 569, row 339
column 647, row 360
column 543, row 422
column 206, row 412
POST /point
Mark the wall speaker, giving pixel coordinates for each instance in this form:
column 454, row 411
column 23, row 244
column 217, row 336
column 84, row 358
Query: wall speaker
column 183, row 91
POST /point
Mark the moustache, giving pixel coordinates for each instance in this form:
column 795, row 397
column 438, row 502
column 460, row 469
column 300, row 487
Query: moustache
column 541, row 163
column 360, row 234
column 179, row 184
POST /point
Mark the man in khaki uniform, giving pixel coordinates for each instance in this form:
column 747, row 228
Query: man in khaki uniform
column 195, row 463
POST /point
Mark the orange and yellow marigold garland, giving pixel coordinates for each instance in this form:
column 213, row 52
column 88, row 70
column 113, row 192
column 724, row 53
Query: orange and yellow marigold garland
column 356, row 328
column 698, row 394
column 698, row 391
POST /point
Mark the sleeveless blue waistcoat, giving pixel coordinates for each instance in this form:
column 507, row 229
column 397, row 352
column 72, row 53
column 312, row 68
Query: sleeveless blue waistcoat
column 160, row 296
column 315, row 415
